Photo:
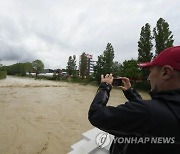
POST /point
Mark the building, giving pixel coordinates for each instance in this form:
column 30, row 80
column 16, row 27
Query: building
column 46, row 70
column 91, row 66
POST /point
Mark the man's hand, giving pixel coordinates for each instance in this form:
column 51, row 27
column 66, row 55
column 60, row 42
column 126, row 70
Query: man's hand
column 126, row 83
column 108, row 78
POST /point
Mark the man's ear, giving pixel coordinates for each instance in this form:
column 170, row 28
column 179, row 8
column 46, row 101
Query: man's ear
column 167, row 72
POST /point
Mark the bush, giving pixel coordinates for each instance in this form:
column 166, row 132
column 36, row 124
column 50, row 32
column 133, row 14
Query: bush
column 85, row 81
column 144, row 85
column 3, row 74
column 56, row 77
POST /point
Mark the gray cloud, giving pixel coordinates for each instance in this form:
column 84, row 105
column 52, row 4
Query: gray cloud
column 52, row 30
column 15, row 53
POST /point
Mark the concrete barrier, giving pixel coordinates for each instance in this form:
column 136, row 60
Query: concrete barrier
column 89, row 143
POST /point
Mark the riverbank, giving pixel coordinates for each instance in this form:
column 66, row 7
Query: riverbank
column 41, row 116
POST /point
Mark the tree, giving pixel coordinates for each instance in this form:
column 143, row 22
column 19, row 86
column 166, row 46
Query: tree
column 108, row 57
column 2, row 72
column 98, row 69
column 117, row 69
column 0, row 64
column 71, row 65
column 130, row 69
column 38, row 66
column 83, row 65
column 145, row 44
column 28, row 67
column 105, row 63
column 144, row 48
column 16, row 69
column 19, row 69
column 162, row 35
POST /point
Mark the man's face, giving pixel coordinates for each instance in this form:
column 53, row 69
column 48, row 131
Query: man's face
column 155, row 78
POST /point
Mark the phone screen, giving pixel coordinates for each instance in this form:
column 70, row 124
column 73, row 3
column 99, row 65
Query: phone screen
column 117, row 82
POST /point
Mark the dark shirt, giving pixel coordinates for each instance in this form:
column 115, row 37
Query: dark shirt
column 158, row 117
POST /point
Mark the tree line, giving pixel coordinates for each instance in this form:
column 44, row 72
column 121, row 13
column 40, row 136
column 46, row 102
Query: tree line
column 20, row 69
column 159, row 38
column 160, row 35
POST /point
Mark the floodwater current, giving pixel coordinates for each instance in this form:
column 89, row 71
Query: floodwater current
column 40, row 116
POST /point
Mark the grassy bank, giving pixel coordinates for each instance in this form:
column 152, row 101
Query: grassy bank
column 3, row 74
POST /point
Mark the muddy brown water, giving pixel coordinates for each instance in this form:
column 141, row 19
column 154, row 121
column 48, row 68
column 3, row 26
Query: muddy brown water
column 38, row 116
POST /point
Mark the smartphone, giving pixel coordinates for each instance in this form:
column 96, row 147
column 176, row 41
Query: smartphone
column 117, row 82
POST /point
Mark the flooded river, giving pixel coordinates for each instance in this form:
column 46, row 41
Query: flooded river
column 39, row 116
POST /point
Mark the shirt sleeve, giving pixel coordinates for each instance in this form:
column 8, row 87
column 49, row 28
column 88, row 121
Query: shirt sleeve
column 130, row 117
column 132, row 95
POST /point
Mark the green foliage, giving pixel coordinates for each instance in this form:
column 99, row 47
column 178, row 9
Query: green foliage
column 117, row 69
column 37, row 66
column 18, row 69
column 145, row 44
column 2, row 68
column 83, row 65
column 130, row 69
column 108, row 57
column 105, row 63
column 56, row 77
column 144, row 48
column 144, row 85
column 98, row 69
column 3, row 74
column 71, row 66
column 163, row 36
column 28, row 67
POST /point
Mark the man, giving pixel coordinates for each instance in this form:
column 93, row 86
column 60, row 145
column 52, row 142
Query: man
column 156, row 122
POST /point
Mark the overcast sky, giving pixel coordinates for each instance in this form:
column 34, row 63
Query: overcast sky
column 53, row 30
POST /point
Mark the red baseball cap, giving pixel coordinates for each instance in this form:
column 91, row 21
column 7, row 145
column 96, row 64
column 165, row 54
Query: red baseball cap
column 169, row 56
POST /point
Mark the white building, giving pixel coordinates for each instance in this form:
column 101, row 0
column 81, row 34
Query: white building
column 90, row 64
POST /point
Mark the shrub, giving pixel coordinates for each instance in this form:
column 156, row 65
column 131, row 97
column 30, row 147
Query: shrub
column 3, row 74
